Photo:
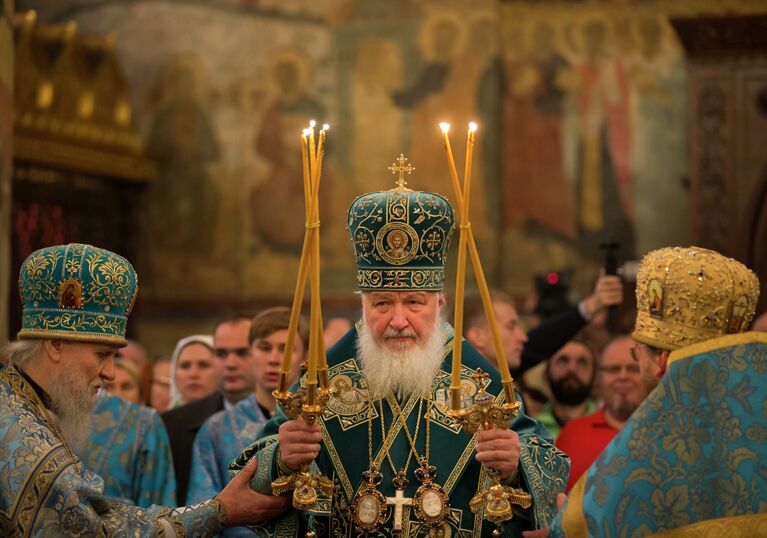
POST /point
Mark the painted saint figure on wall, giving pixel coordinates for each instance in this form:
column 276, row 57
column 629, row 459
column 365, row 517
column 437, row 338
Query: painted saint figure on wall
column 443, row 90
column 536, row 190
column 276, row 204
column 603, row 182
column 182, row 206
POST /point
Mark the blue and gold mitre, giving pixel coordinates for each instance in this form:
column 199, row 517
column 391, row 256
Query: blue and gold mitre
column 400, row 237
column 76, row 292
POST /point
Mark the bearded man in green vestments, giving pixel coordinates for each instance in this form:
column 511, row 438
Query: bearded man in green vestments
column 400, row 465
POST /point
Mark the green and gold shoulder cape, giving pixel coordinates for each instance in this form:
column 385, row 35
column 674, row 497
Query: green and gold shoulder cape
column 543, row 469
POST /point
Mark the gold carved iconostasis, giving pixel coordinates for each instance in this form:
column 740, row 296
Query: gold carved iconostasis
column 78, row 164
column 581, row 106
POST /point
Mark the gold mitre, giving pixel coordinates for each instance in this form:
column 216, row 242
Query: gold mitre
column 688, row 295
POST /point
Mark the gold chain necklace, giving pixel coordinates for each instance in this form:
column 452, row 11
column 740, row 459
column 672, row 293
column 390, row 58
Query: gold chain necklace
column 400, row 481
column 432, row 505
column 369, row 505
column 403, row 472
column 431, row 502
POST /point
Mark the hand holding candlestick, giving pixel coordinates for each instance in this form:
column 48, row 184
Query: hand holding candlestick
column 308, row 403
column 485, row 413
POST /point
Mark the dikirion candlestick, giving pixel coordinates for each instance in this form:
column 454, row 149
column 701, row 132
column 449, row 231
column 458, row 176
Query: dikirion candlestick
column 467, row 242
column 308, row 402
column 311, row 160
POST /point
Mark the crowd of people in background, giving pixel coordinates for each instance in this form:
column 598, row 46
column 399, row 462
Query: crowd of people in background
column 166, row 428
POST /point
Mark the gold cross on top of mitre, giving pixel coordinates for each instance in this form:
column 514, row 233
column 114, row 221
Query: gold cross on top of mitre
column 400, row 167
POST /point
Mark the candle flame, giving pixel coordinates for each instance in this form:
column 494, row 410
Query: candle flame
column 325, row 126
column 472, row 127
column 306, row 132
column 444, row 126
column 312, row 123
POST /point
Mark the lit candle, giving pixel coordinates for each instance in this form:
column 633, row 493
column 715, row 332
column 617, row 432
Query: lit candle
column 298, row 294
column 323, row 359
column 307, row 175
column 317, row 170
column 321, row 329
column 463, row 203
column 466, row 242
column 312, row 148
column 450, row 161
column 315, row 344
column 467, row 170
column 455, row 373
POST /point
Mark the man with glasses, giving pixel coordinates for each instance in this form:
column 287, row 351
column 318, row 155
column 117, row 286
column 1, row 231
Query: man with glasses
column 618, row 382
column 691, row 458
column 234, row 366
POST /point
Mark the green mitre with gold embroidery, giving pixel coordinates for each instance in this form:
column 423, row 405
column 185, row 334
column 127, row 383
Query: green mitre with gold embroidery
column 400, row 236
column 77, row 292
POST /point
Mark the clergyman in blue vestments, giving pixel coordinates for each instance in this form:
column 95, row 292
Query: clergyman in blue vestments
column 690, row 460
column 76, row 300
column 227, row 433
column 129, row 448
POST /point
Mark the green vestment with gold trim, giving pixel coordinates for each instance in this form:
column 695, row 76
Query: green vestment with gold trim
column 543, row 469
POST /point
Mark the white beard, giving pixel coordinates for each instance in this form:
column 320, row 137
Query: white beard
column 403, row 372
column 73, row 404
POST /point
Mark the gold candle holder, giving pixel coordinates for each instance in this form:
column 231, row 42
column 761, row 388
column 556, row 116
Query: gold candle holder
column 484, row 414
column 325, row 389
column 307, row 403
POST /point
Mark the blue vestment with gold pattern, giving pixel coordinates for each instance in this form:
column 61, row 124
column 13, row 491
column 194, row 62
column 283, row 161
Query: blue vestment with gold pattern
column 691, row 460
column 543, row 469
column 45, row 491
column 220, row 440
column 129, row 448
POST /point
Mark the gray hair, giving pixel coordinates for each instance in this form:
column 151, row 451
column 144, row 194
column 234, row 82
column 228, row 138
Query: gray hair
column 21, row 351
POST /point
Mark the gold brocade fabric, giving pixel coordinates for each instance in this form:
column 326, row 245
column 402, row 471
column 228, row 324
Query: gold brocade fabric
column 401, row 239
column 745, row 526
column 77, row 292
column 688, row 295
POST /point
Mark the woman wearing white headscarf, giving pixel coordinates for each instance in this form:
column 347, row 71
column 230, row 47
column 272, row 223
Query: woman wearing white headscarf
column 192, row 371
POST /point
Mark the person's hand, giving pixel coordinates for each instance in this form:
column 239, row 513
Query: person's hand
column 243, row 506
column 537, row 533
column 608, row 291
column 544, row 532
column 299, row 443
column 498, row 449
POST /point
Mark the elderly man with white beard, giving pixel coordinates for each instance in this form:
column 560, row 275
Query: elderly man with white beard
column 76, row 304
column 399, row 463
